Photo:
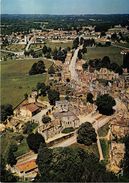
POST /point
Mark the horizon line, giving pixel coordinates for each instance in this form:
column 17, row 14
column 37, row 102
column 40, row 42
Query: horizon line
column 65, row 14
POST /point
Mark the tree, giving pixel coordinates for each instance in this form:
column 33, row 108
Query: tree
column 106, row 62
column 11, row 159
column 53, row 96
column 37, row 68
column 41, row 88
column 86, row 134
column 44, row 49
column 70, row 165
column 85, row 66
column 46, row 119
column 6, row 176
column 6, row 110
column 29, row 127
column 34, row 141
column 75, row 43
column 79, row 54
column 105, row 104
column 26, row 96
column 51, row 70
column 89, row 98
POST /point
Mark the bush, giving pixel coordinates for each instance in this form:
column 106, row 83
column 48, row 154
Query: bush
column 46, row 119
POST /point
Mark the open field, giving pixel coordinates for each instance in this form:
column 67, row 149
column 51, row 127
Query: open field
column 61, row 44
column 51, row 44
column 14, row 47
column 15, row 81
column 100, row 52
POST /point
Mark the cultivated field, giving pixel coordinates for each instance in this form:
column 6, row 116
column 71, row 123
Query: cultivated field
column 15, row 81
column 100, row 52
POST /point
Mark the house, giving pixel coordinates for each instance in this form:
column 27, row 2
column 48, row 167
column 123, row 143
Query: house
column 26, row 166
column 27, row 110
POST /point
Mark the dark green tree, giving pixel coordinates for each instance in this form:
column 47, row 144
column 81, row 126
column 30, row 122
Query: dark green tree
column 29, row 127
column 53, row 96
column 89, row 98
column 51, row 70
column 46, row 119
column 86, row 134
column 6, row 176
column 75, row 43
column 44, row 49
column 85, row 66
column 105, row 104
column 70, row 165
column 6, row 110
column 37, row 68
column 34, row 141
column 11, row 159
column 41, row 88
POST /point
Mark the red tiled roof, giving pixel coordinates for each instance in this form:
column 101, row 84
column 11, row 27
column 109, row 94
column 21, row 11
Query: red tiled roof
column 31, row 107
column 26, row 166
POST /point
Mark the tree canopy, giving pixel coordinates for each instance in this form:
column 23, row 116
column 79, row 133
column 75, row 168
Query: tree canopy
column 46, row 119
column 70, row 165
column 37, row 68
column 53, row 96
column 89, row 98
column 6, row 110
column 105, row 104
column 34, row 141
column 86, row 134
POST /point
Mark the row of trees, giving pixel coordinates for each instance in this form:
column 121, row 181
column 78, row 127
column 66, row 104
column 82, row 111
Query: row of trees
column 105, row 62
column 44, row 90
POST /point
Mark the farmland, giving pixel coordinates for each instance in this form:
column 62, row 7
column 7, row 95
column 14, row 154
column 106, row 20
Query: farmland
column 100, row 52
column 15, row 81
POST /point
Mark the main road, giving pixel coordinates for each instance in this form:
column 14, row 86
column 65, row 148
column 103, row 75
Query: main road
column 72, row 66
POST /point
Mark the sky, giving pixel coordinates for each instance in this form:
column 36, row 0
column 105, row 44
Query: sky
column 64, row 7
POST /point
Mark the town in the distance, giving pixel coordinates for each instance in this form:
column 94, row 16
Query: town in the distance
column 64, row 98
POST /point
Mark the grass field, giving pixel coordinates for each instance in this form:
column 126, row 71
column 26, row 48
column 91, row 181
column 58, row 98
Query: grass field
column 52, row 45
column 15, row 81
column 103, row 131
column 105, row 149
column 100, row 52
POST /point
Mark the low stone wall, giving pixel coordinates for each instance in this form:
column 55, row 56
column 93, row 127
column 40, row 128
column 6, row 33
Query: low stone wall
column 59, row 140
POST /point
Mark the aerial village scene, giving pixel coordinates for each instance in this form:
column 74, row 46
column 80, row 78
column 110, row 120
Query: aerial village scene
column 64, row 91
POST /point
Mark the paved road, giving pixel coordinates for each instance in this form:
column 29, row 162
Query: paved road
column 29, row 43
column 67, row 142
column 72, row 66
